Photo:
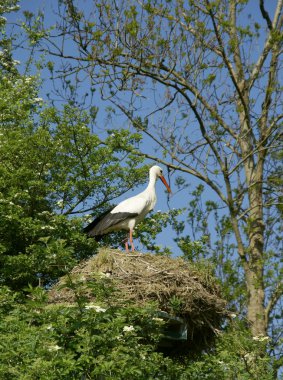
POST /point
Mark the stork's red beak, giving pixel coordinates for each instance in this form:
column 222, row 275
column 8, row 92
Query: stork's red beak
column 165, row 183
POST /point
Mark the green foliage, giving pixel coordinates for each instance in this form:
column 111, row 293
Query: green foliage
column 52, row 167
column 96, row 340
column 220, row 252
column 155, row 224
column 70, row 342
column 237, row 356
column 46, row 243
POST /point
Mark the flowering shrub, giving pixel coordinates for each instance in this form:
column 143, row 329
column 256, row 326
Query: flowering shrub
column 73, row 342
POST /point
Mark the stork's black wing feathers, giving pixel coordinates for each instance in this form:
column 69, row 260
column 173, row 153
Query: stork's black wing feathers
column 94, row 223
column 106, row 220
column 110, row 221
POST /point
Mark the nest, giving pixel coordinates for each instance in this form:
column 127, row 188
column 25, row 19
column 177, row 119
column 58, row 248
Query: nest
column 175, row 286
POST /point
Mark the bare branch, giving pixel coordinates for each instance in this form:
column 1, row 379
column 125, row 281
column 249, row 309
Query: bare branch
column 261, row 148
column 276, row 295
column 238, row 86
column 234, row 37
column 270, row 88
column 269, row 204
column 265, row 14
column 185, row 168
column 277, row 23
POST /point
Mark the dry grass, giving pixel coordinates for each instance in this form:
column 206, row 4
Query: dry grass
column 175, row 285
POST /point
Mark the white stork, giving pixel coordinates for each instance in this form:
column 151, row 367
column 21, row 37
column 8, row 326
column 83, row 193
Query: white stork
column 127, row 214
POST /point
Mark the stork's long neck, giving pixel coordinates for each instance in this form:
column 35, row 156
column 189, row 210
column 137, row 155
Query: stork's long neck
column 150, row 192
column 151, row 183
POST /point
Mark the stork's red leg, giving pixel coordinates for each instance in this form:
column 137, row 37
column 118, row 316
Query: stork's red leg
column 126, row 243
column 131, row 240
column 127, row 246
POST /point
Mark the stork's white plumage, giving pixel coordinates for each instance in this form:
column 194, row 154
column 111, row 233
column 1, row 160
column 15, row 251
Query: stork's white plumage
column 127, row 214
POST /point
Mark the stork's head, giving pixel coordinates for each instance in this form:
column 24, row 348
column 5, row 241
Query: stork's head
column 158, row 173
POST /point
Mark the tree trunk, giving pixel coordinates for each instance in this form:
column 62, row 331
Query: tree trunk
column 256, row 311
column 253, row 165
column 254, row 276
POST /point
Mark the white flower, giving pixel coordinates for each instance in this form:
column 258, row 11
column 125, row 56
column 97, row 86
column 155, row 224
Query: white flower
column 103, row 275
column 13, row 8
column 249, row 357
column 157, row 319
column 233, row 315
column 54, row 348
column 88, row 218
column 260, row 338
column 97, row 308
column 60, row 203
column 45, row 213
column 47, row 228
column 49, row 328
column 128, row 328
column 38, row 100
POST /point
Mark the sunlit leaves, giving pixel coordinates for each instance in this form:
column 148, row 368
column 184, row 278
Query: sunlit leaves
column 52, row 166
column 82, row 339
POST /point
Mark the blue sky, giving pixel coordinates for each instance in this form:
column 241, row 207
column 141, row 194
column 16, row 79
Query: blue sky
column 164, row 202
column 177, row 200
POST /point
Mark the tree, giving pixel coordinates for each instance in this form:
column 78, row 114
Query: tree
column 94, row 340
column 212, row 69
column 84, row 340
column 52, row 168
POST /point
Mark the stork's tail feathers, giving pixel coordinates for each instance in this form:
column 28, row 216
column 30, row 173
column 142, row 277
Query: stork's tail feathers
column 90, row 229
column 87, row 230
